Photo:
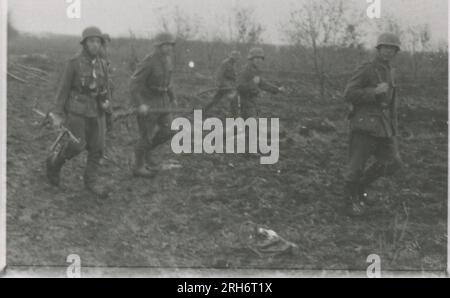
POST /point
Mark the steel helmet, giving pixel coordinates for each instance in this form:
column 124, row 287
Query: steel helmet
column 388, row 39
column 256, row 53
column 92, row 32
column 164, row 38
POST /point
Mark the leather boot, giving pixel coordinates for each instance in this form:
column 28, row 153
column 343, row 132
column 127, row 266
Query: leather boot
column 372, row 174
column 54, row 165
column 91, row 181
column 140, row 169
column 355, row 205
column 161, row 137
column 149, row 162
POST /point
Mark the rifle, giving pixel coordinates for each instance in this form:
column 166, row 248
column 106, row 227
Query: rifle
column 231, row 94
column 49, row 118
column 133, row 111
column 214, row 89
column 108, row 111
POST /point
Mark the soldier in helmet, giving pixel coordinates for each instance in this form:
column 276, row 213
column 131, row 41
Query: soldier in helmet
column 226, row 80
column 81, row 101
column 373, row 123
column 151, row 88
column 250, row 83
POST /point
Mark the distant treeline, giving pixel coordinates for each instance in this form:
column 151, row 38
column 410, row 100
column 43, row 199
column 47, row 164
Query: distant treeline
column 284, row 62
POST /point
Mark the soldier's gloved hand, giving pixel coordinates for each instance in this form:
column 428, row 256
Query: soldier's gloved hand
column 382, row 88
column 256, row 80
column 106, row 104
column 143, row 109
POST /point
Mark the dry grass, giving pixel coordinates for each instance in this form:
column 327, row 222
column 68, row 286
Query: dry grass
column 191, row 217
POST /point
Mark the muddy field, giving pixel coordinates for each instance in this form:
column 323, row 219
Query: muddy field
column 192, row 216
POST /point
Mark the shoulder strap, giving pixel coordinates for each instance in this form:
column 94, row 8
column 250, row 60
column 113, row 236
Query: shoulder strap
column 393, row 72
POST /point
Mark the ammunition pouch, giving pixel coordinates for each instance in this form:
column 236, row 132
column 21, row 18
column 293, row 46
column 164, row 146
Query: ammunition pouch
column 373, row 122
column 86, row 103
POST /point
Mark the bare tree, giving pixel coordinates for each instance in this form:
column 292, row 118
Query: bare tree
column 442, row 46
column 249, row 31
column 320, row 25
column 414, row 39
column 418, row 40
column 352, row 38
column 392, row 25
column 185, row 27
column 389, row 23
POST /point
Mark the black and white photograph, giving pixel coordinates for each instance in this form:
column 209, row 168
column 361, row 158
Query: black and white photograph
column 224, row 138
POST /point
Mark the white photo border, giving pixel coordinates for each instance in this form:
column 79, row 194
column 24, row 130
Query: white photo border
column 43, row 271
column 448, row 152
column 3, row 105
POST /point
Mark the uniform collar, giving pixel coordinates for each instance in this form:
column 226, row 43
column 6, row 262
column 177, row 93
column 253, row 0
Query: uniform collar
column 88, row 56
column 380, row 62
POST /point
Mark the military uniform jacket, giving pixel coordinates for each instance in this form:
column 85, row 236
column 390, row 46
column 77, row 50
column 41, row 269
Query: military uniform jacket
column 103, row 54
column 246, row 86
column 371, row 113
column 83, row 86
column 151, row 82
column 226, row 75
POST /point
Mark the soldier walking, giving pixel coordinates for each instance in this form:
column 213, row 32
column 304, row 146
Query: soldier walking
column 151, row 88
column 226, row 82
column 81, row 101
column 250, row 83
column 373, row 123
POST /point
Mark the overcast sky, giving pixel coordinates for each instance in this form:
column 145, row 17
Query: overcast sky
column 117, row 17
